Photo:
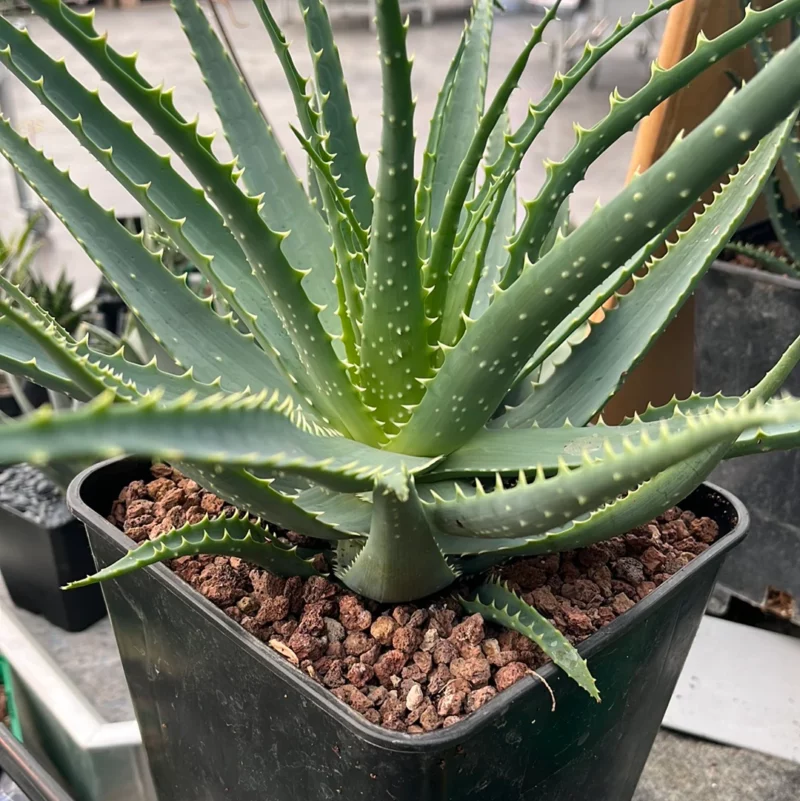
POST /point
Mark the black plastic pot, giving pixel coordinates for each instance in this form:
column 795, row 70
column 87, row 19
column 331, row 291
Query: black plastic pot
column 745, row 320
column 224, row 717
column 37, row 561
column 33, row 392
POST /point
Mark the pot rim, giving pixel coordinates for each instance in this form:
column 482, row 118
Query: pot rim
column 322, row 698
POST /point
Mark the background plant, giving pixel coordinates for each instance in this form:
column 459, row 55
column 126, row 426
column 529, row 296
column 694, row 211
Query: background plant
column 785, row 223
column 390, row 395
column 58, row 302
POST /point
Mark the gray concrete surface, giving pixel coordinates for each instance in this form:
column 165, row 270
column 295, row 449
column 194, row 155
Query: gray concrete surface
column 153, row 31
column 684, row 769
column 89, row 659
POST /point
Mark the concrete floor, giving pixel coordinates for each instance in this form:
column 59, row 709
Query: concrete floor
column 684, row 769
column 153, row 31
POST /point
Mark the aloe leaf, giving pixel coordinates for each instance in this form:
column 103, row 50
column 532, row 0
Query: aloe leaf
column 337, row 209
column 350, row 266
column 762, row 54
column 143, row 379
column 161, row 300
column 240, row 432
column 791, row 157
column 181, row 210
column 21, row 355
column 345, row 512
column 322, row 519
column 580, row 386
column 500, row 225
column 433, row 149
column 534, row 508
column 284, row 204
column 323, row 164
column 467, row 160
column 506, row 451
column 287, row 284
column 694, row 404
column 307, row 112
column 462, row 112
column 766, row 439
column 50, row 341
column 481, row 368
column 228, row 536
column 29, row 305
column 465, row 273
column 350, row 164
column 572, row 330
column 759, row 440
column 784, row 222
column 400, row 560
column 638, row 507
column 769, row 260
column 347, row 313
column 45, row 338
column 625, row 113
column 497, row 603
column 89, row 372
column 517, row 145
column 394, row 351
column 480, row 247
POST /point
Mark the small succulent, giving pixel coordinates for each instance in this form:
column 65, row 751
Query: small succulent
column 414, row 385
column 785, row 223
column 17, row 252
column 57, row 300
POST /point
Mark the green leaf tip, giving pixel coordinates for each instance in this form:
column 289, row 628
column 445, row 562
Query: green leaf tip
column 497, row 603
column 224, row 536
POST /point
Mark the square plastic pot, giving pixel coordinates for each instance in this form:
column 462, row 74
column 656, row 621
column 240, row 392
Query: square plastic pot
column 222, row 716
column 745, row 320
column 36, row 561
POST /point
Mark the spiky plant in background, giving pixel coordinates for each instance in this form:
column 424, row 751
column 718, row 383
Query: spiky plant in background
column 785, row 223
column 17, row 252
column 390, row 395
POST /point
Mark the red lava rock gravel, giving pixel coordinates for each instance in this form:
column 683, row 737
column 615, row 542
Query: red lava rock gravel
column 413, row 668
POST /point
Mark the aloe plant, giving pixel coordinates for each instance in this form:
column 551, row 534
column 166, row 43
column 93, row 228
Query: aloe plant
column 785, row 223
column 403, row 370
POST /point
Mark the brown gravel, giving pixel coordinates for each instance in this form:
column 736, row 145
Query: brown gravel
column 406, row 667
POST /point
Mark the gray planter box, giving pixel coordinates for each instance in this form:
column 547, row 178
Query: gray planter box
column 97, row 759
column 745, row 320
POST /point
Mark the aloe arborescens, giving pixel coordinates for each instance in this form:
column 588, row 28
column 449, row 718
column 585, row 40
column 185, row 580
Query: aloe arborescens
column 398, row 371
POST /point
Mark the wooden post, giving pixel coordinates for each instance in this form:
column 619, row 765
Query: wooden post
column 668, row 369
